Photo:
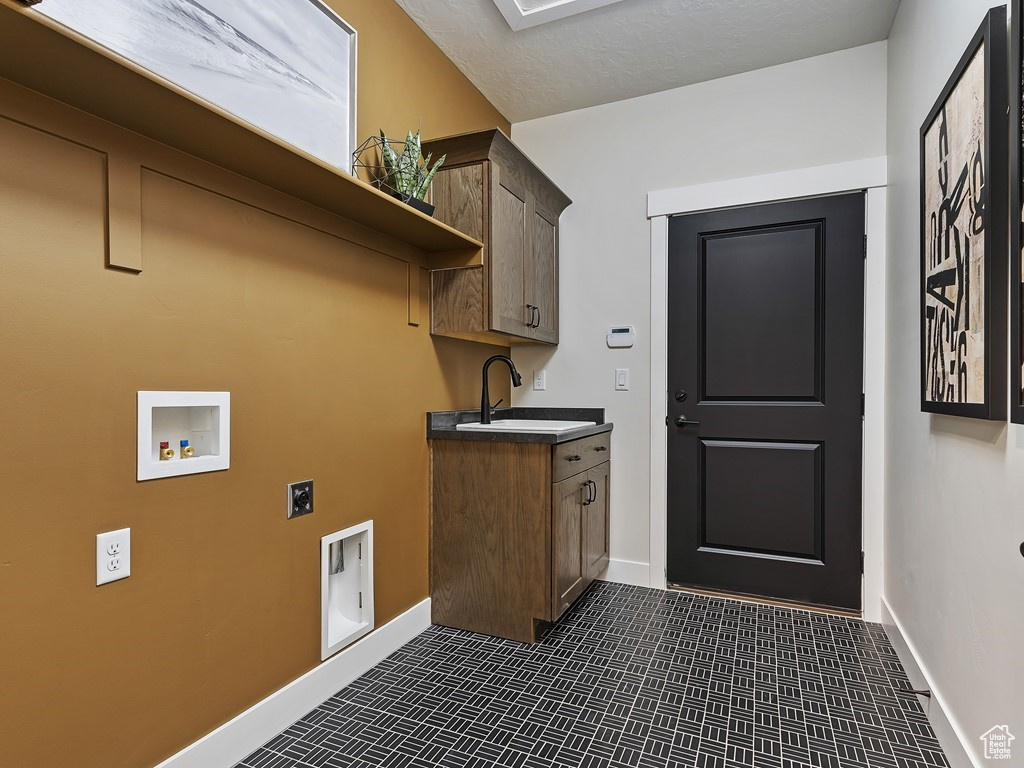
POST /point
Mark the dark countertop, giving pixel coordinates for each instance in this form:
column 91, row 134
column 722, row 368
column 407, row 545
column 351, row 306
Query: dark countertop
column 441, row 424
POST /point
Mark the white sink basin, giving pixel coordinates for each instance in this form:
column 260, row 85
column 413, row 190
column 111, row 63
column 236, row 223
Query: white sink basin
column 545, row 426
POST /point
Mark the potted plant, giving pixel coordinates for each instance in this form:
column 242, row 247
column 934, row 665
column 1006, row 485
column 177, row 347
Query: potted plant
column 403, row 172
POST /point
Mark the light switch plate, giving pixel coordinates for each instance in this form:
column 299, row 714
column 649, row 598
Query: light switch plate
column 622, row 379
column 300, row 499
column 113, row 556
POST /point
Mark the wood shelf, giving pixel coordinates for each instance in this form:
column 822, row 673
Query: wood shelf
column 41, row 55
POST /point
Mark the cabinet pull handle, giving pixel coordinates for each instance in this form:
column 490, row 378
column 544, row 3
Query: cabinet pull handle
column 574, row 457
column 536, row 323
column 601, row 448
column 591, row 495
column 529, row 323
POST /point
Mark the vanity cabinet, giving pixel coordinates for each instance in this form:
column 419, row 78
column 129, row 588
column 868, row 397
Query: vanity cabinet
column 490, row 190
column 518, row 531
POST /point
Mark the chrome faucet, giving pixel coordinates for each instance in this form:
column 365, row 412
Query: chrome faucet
column 485, row 396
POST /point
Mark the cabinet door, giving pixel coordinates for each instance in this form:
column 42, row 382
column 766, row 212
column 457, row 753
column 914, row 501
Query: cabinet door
column 507, row 251
column 595, row 523
column 541, row 289
column 566, row 540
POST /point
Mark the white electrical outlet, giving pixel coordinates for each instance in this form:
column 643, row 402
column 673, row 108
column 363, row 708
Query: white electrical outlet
column 540, row 380
column 113, row 555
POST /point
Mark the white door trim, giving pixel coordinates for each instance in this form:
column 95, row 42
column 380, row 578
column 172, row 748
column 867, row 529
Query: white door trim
column 869, row 174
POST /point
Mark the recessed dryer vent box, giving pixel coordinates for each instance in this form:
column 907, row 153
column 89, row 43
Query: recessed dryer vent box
column 346, row 587
column 201, row 418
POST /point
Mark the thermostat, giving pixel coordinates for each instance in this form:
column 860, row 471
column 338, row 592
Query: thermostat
column 621, row 336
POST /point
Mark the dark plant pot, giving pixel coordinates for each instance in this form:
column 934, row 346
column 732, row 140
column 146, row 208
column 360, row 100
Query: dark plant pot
column 415, row 202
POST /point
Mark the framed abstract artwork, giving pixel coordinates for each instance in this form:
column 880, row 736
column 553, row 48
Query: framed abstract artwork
column 964, row 159
column 1016, row 215
column 287, row 67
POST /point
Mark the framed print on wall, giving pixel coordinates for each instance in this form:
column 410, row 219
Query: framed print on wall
column 963, row 234
column 1016, row 215
column 287, row 67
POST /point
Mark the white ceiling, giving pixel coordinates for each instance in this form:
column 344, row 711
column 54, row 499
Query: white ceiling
column 584, row 55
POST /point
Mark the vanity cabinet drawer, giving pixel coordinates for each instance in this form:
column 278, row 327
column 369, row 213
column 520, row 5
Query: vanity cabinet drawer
column 569, row 459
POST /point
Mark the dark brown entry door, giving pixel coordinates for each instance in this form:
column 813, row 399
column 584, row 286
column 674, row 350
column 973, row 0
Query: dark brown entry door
column 765, row 329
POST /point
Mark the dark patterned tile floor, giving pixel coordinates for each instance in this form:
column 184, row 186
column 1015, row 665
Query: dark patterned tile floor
column 631, row 677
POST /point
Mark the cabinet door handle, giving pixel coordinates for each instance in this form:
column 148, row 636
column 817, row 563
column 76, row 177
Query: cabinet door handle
column 536, row 323
column 591, row 487
column 574, row 457
column 533, row 309
column 601, row 448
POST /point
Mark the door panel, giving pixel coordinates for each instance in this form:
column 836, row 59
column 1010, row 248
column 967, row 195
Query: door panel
column 761, row 287
column 507, row 264
column 541, row 283
column 566, row 550
column 595, row 523
column 766, row 342
column 775, row 511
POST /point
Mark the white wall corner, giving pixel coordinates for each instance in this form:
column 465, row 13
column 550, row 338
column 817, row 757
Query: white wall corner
column 948, row 731
column 239, row 737
column 628, row 572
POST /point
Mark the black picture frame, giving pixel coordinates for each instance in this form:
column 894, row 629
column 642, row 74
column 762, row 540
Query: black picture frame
column 1016, row 46
column 946, row 319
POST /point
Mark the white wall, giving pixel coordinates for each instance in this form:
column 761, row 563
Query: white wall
column 955, row 487
column 818, row 111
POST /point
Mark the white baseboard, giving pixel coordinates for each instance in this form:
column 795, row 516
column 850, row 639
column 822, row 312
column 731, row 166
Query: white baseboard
column 947, row 730
column 239, row 737
column 628, row 572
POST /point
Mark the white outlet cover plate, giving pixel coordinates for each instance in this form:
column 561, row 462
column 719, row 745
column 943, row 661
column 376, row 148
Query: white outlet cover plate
column 540, row 380
column 113, row 555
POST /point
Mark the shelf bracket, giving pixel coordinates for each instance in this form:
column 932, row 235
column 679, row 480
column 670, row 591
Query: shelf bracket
column 416, row 284
column 124, row 213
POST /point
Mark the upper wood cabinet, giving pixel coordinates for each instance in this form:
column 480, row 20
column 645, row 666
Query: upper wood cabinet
column 489, row 190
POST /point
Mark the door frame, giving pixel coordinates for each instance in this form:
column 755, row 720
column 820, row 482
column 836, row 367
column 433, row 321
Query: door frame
column 869, row 175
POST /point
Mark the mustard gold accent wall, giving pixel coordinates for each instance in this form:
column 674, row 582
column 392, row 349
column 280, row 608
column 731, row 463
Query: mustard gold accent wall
column 403, row 76
column 302, row 317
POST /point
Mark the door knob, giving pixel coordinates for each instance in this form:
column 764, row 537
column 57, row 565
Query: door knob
column 682, row 421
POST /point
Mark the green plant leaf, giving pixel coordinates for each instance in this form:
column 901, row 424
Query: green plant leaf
column 389, row 158
column 407, row 172
column 425, row 185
